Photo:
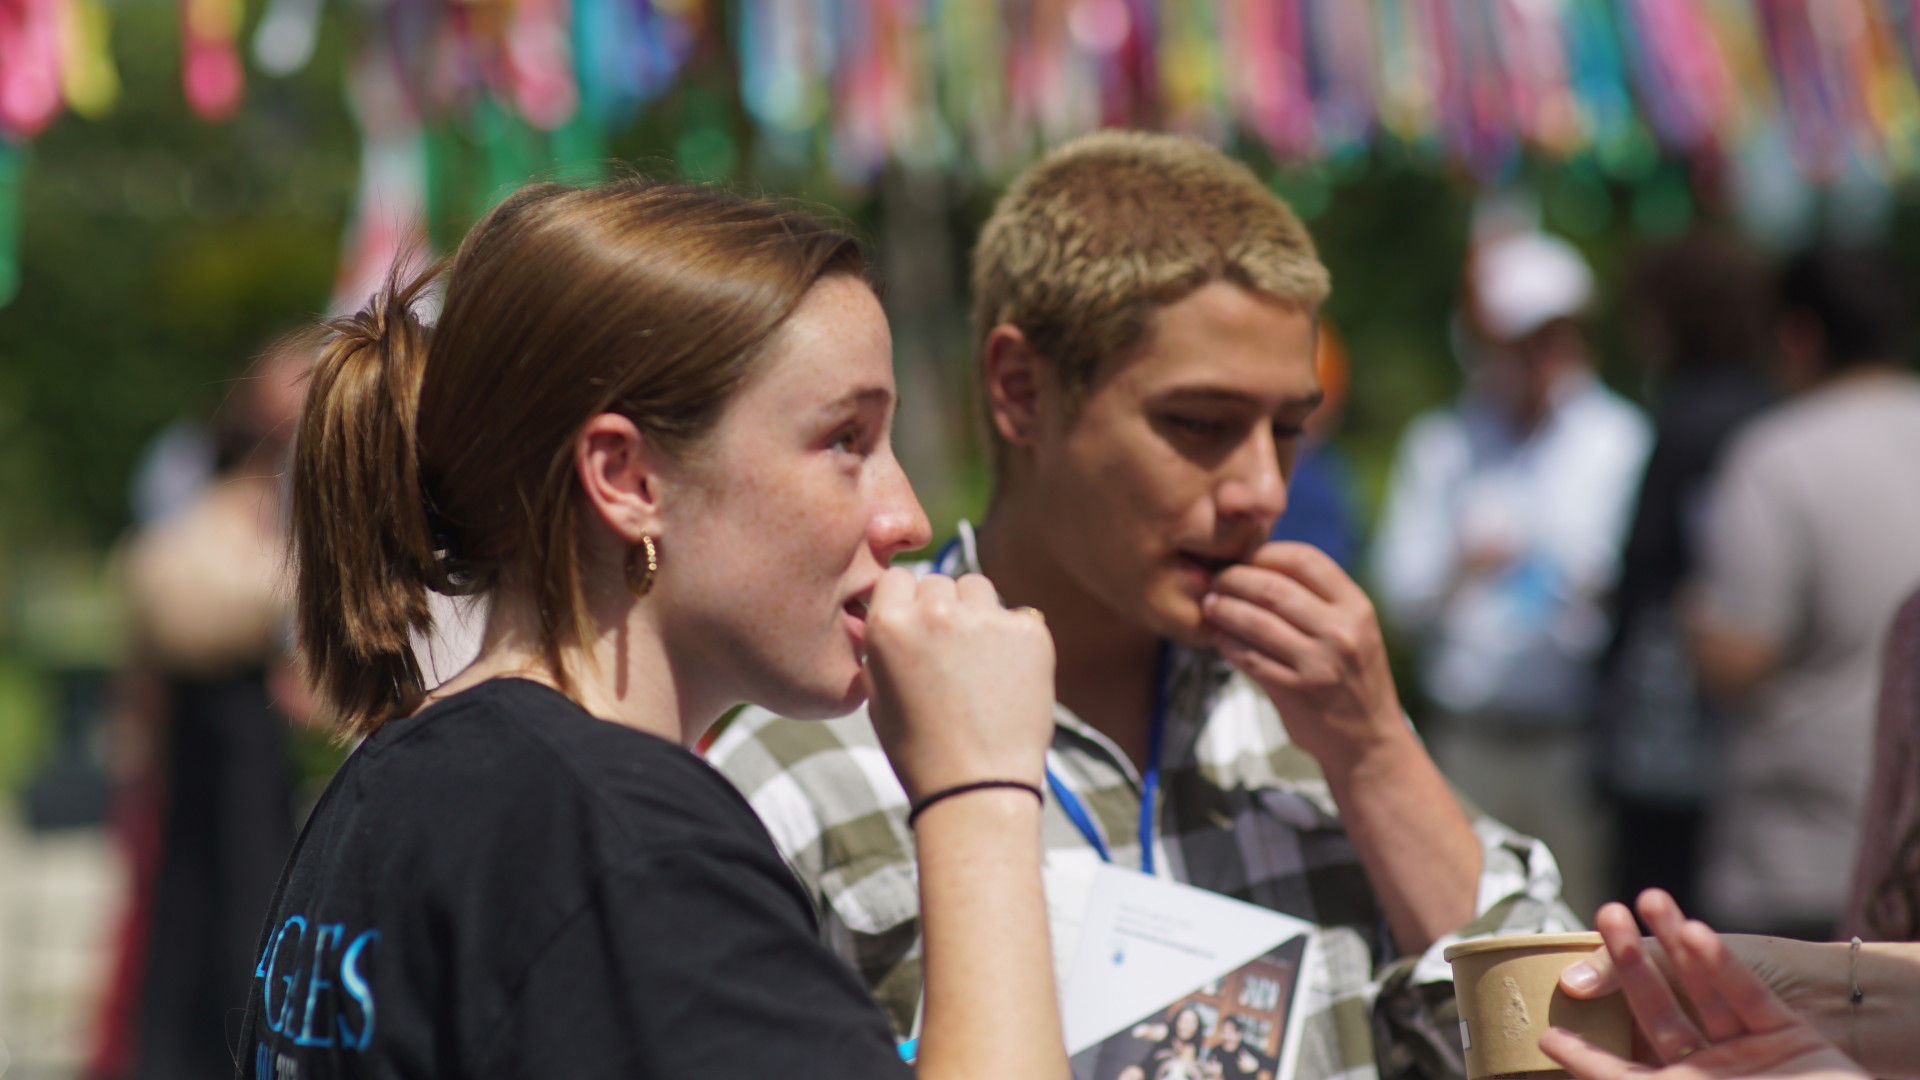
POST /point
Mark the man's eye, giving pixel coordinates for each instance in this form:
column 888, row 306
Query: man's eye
column 1194, row 425
column 1283, row 432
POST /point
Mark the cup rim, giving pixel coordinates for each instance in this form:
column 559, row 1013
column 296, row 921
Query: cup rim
column 1589, row 939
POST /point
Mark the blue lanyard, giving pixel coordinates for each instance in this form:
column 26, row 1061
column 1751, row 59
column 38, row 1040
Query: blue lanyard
column 1149, row 781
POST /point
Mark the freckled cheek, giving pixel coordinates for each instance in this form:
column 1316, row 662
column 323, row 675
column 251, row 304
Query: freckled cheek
column 803, row 530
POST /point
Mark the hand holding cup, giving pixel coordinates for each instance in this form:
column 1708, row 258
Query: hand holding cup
column 1739, row 1027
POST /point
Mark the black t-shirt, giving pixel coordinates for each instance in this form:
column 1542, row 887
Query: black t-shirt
column 505, row 886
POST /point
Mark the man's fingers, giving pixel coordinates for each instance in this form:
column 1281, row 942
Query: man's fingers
column 1260, row 628
column 1667, row 1028
column 1285, row 596
column 1255, row 664
column 1584, row 1060
column 1717, row 1018
column 1308, row 564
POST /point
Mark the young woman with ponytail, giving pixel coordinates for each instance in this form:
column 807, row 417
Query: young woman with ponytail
column 652, row 425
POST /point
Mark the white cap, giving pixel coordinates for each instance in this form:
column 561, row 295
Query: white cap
column 1523, row 281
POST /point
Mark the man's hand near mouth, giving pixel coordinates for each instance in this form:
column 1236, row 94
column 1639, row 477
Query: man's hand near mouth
column 1292, row 621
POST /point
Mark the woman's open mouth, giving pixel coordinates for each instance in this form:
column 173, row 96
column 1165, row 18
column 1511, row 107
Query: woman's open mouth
column 854, row 612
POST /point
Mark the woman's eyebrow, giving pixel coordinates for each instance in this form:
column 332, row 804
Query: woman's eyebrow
column 867, row 395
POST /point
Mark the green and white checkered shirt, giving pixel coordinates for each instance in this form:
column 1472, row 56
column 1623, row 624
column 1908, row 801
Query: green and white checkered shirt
column 1243, row 812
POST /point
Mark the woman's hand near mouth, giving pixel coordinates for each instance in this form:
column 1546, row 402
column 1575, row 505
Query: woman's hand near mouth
column 961, row 688
column 1293, row 622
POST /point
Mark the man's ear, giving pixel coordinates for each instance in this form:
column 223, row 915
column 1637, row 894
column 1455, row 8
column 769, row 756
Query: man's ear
column 1012, row 376
column 619, row 472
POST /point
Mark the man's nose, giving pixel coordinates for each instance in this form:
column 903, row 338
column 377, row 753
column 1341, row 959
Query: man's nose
column 1254, row 485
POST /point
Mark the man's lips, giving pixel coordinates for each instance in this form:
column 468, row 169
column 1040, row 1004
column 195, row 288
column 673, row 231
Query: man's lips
column 1209, row 565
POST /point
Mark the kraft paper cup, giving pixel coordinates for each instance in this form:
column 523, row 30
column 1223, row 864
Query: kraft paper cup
column 1509, row 993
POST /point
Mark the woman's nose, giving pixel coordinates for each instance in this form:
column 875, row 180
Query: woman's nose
column 898, row 523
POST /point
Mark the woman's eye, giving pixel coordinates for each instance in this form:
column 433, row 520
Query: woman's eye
column 848, row 439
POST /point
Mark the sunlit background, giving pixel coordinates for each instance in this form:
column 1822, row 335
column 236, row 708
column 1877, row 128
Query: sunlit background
column 181, row 183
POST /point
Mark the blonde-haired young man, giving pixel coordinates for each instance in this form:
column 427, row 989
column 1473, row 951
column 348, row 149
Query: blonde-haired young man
column 1145, row 318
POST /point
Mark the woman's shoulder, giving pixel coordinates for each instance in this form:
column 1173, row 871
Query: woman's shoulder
column 512, row 754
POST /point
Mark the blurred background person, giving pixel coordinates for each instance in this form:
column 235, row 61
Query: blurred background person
column 1499, row 538
column 1698, row 311
column 1321, row 496
column 206, row 806
column 1813, row 539
column 1885, row 900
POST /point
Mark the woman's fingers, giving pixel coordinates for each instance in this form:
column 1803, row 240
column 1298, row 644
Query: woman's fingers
column 961, row 689
column 1668, row 1030
column 1584, row 1060
column 1594, row 976
column 1757, row 1007
column 1717, row 1018
column 975, row 589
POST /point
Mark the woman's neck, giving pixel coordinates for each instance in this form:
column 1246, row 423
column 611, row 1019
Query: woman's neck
column 623, row 674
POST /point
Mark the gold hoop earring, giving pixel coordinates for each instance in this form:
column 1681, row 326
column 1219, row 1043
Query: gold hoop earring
column 640, row 582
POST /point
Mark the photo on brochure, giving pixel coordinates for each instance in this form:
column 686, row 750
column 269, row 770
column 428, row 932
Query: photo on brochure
column 1232, row 1028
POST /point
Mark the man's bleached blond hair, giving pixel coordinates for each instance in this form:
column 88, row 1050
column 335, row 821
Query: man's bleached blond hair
column 1090, row 241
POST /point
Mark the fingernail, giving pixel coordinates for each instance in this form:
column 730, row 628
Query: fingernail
column 1580, row 977
column 1207, row 601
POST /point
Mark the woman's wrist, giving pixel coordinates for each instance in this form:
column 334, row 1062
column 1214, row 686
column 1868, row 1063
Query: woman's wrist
column 1878, row 1029
column 973, row 787
column 1816, row 980
column 984, row 807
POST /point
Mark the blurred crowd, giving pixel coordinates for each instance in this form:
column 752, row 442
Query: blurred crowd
column 1653, row 638
column 1650, row 634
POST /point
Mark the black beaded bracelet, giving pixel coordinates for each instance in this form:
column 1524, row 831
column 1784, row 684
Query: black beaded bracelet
column 920, row 806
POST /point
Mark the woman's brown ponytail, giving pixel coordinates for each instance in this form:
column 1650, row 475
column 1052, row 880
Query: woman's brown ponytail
column 364, row 549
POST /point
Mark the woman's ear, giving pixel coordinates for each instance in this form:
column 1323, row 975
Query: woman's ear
column 620, row 474
column 1011, row 375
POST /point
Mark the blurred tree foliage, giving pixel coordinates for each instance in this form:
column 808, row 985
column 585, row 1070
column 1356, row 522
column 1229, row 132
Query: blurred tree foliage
column 158, row 253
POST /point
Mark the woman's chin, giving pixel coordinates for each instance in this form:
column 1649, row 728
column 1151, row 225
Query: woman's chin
column 830, row 697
